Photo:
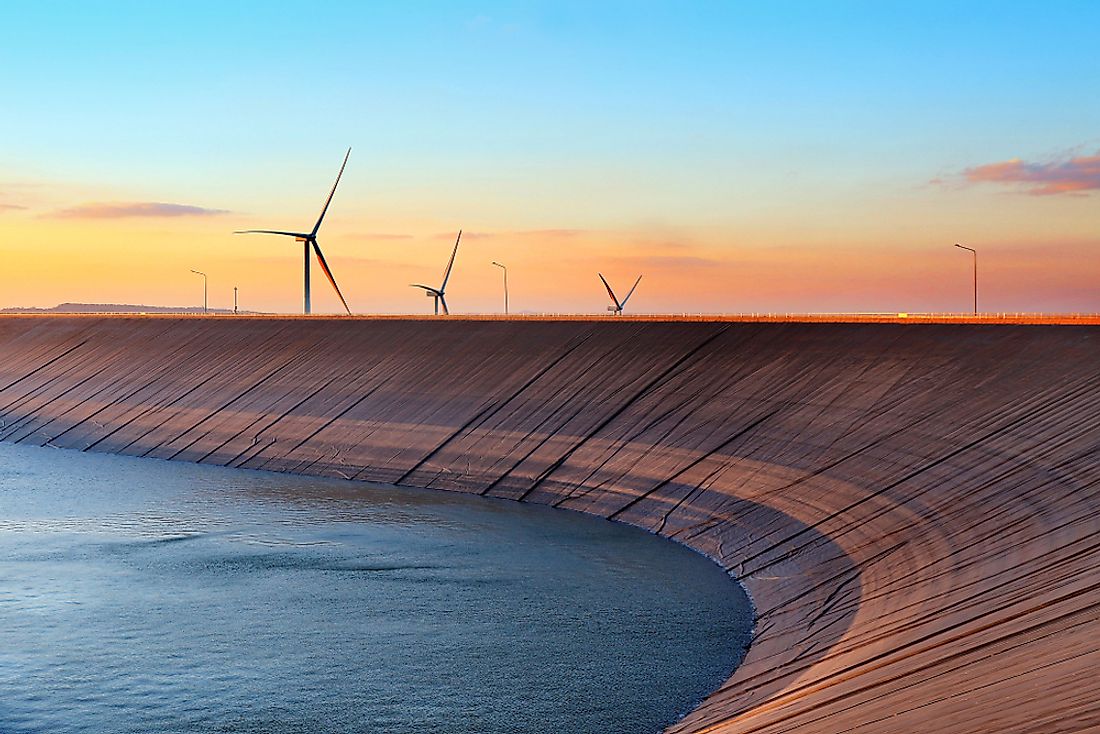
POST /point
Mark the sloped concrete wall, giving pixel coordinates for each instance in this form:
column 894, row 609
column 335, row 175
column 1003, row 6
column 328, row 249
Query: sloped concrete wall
column 912, row 507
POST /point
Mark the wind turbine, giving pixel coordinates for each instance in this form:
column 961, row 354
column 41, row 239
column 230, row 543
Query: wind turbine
column 437, row 293
column 310, row 238
column 618, row 307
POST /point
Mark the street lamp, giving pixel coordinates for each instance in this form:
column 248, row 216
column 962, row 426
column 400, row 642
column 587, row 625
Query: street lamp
column 197, row 272
column 234, row 300
column 975, row 253
column 505, row 285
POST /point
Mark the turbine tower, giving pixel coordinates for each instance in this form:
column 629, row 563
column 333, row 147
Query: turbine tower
column 618, row 307
column 310, row 239
column 437, row 293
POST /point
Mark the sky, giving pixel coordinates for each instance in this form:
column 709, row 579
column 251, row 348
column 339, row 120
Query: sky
column 744, row 156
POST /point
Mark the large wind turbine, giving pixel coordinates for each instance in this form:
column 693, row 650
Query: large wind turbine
column 437, row 293
column 618, row 306
column 310, row 238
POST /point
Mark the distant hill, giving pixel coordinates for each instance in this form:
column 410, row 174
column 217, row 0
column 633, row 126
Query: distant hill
column 115, row 308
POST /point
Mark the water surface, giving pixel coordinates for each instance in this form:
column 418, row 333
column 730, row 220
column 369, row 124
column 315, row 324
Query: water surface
column 145, row 596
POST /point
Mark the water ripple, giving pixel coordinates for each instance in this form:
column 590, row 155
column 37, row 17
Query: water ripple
column 153, row 597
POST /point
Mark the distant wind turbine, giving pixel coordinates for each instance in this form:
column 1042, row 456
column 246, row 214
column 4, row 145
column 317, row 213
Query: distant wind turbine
column 618, row 306
column 437, row 293
column 310, row 238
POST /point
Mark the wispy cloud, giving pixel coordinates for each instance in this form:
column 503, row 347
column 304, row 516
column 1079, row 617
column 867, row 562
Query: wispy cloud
column 680, row 262
column 377, row 263
column 128, row 209
column 556, row 234
column 1074, row 175
column 545, row 234
column 10, row 208
column 335, row 259
column 378, row 236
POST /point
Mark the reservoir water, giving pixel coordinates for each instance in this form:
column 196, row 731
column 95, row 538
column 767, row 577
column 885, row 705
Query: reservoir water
column 145, row 596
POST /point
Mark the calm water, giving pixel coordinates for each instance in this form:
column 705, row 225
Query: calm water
column 146, row 596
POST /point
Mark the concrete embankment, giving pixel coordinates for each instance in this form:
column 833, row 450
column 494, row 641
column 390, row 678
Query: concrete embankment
column 912, row 507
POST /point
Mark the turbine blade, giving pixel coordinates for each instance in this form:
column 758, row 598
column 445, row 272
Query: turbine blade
column 328, row 273
column 609, row 291
column 444, row 302
column 639, row 280
column 269, row 231
column 329, row 199
column 447, row 274
column 425, row 287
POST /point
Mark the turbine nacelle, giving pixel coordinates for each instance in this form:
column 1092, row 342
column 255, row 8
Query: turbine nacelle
column 438, row 293
column 617, row 306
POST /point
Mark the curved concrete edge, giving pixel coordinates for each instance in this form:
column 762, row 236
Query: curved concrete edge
column 912, row 508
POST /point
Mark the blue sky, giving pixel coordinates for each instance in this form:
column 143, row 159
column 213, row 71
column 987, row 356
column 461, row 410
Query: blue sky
column 606, row 80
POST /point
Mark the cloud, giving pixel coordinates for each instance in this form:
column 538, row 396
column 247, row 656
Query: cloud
column 549, row 234
column 557, row 234
column 11, row 208
column 376, row 263
column 663, row 262
column 336, row 260
column 378, row 236
column 466, row 235
column 122, row 210
column 1074, row 175
column 677, row 261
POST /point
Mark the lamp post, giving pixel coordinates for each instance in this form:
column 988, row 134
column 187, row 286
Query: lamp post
column 234, row 300
column 505, row 285
column 198, row 272
column 975, row 254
